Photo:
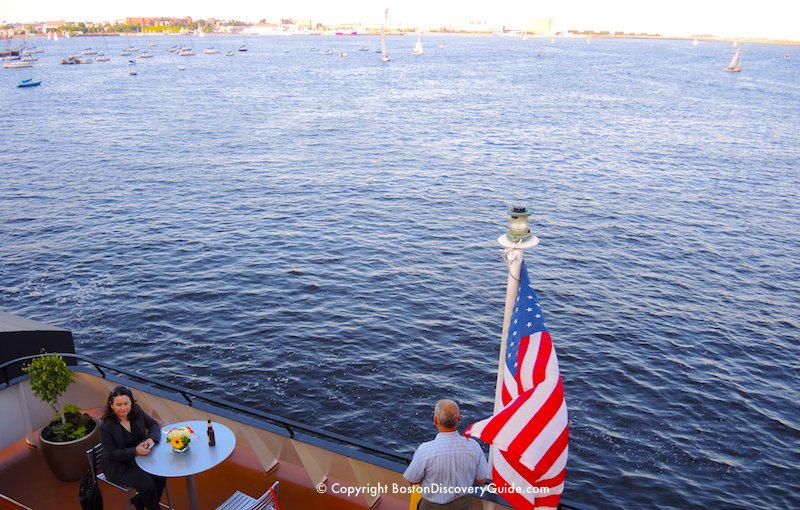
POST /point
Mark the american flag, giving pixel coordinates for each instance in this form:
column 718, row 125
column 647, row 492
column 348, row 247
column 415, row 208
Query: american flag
column 530, row 432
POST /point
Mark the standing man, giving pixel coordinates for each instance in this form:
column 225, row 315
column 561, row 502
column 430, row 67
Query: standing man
column 447, row 467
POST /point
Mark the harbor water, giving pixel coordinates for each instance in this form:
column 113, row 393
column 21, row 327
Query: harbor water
column 315, row 236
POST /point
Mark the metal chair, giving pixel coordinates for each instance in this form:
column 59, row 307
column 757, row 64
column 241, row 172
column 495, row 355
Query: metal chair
column 241, row 501
column 95, row 455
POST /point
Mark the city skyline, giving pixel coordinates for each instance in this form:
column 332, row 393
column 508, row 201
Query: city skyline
column 769, row 19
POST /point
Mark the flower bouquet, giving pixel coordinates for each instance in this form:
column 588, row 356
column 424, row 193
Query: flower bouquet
column 180, row 437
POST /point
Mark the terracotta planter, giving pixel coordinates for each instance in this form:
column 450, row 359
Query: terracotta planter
column 68, row 460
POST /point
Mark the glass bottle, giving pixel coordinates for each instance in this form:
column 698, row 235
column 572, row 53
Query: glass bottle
column 211, row 439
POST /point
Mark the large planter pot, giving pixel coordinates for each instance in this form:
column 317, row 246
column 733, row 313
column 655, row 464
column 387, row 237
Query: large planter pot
column 68, row 461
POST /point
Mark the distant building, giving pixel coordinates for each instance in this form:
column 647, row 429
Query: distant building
column 541, row 26
column 54, row 24
column 154, row 22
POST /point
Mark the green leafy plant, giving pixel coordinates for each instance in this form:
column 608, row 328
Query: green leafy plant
column 49, row 379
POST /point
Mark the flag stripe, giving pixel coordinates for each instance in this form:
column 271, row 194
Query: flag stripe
column 493, row 426
column 543, row 358
column 542, row 418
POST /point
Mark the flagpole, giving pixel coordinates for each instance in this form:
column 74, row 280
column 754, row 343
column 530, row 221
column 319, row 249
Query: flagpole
column 514, row 243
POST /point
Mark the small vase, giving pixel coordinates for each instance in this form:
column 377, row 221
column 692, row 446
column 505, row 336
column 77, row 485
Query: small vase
column 180, row 450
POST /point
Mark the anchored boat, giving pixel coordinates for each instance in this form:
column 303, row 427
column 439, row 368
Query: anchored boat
column 28, row 82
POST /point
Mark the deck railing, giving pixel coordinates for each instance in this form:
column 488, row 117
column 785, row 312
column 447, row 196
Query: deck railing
column 189, row 396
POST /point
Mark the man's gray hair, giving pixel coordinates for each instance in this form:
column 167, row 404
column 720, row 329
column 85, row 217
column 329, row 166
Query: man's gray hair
column 446, row 411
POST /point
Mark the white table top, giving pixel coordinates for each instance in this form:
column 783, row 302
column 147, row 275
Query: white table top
column 199, row 457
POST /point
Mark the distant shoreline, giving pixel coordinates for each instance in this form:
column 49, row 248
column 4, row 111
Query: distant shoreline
column 484, row 34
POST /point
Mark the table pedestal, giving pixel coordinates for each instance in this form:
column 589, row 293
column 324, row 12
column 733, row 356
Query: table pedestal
column 191, row 488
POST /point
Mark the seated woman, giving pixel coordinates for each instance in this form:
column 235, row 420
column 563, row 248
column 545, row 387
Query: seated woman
column 127, row 431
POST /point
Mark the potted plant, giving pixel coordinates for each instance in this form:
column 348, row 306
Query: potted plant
column 64, row 440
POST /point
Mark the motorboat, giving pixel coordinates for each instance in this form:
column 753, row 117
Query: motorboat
column 28, row 82
column 17, row 64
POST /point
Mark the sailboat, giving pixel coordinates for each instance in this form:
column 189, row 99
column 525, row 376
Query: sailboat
column 418, row 48
column 384, row 53
column 102, row 57
column 736, row 62
column 694, row 43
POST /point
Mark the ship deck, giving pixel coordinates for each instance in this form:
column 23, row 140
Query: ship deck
column 26, row 479
column 267, row 449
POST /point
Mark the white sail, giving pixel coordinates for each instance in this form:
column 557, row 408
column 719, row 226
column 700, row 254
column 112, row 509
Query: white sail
column 384, row 53
column 736, row 62
column 694, row 43
column 418, row 48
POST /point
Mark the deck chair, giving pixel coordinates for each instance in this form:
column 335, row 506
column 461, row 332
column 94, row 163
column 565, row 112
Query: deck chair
column 241, row 501
column 95, row 455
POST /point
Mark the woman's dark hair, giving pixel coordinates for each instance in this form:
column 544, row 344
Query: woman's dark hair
column 116, row 392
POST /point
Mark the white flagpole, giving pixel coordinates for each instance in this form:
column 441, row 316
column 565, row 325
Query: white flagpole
column 514, row 244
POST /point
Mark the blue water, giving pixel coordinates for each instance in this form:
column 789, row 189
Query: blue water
column 315, row 236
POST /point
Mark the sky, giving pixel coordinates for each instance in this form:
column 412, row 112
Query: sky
column 777, row 19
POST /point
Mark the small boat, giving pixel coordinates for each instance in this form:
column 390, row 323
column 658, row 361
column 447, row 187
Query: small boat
column 418, row 48
column 243, row 47
column 28, row 82
column 185, row 53
column 363, row 48
column 735, row 65
column 89, row 51
column 210, row 51
column 229, row 53
column 101, row 58
column 17, row 64
column 327, row 52
column 133, row 73
column 145, row 54
column 343, row 54
column 694, row 43
column 181, row 67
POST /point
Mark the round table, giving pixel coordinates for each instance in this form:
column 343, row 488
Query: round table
column 199, row 457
